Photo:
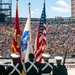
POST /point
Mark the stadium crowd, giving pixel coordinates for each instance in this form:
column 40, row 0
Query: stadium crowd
column 60, row 37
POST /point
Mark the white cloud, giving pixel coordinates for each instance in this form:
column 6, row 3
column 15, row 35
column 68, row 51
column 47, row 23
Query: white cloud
column 62, row 3
column 32, row 12
column 35, row 12
column 62, row 7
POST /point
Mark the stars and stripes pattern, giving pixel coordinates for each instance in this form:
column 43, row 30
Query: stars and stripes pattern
column 40, row 40
column 42, row 20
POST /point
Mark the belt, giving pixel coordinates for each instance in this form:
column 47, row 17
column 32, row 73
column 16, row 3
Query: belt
column 45, row 73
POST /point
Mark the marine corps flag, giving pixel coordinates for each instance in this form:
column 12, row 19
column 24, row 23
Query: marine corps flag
column 16, row 40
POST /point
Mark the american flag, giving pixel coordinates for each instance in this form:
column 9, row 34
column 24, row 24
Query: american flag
column 40, row 40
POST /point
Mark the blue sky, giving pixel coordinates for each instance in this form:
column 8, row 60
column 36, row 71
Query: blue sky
column 54, row 8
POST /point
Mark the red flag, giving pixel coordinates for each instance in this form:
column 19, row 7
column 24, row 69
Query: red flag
column 16, row 41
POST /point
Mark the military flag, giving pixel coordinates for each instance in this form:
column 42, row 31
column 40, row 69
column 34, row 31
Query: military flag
column 26, row 39
column 16, row 40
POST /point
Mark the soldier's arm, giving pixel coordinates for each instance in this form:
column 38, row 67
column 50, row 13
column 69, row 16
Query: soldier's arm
column 54, row 70
column 7, row 70
column 66, row 73
column 4, row 71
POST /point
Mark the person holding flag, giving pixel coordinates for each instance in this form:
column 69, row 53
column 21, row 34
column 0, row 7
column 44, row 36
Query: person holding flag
column 59, row 68
column 46, row 67
column 15, row 68
column 32, row 67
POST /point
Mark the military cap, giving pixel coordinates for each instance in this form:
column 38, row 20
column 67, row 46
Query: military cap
column 15, row 55
column 58, row 58
column 46, row 55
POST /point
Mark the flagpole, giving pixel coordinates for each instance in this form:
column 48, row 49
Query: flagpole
column 30, row 20
column 29, row 9
column 17, row 1
column 44, row 1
